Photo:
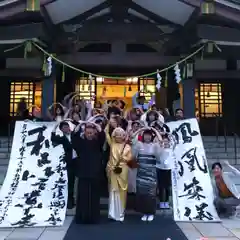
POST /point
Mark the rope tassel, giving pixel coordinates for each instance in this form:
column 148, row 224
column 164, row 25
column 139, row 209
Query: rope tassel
column 208, row 7
column 33, row 5
column 63, row 74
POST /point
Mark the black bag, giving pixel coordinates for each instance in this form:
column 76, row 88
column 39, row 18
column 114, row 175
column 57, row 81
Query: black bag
column 117, row 169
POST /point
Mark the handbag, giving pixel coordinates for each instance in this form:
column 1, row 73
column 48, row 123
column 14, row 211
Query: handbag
column 117, row 169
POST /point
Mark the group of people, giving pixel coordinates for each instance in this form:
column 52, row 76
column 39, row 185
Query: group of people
column 132, row 149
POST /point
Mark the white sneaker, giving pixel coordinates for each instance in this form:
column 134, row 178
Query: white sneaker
column 121, row 218
column 144, row 218
column 166, row 205
column 162, row 205
column 150, row 218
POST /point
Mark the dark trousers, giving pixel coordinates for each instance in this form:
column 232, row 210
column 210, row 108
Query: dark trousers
column 71, row 182
column 145, row 204
column 88, row 201
column 104, row 179
column 164, row 184
column 226, row 206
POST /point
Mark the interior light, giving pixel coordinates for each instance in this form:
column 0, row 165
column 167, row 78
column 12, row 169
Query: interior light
column 100, row 79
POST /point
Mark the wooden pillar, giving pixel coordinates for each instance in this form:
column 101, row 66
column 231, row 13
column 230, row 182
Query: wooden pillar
column 48, row 91
column 161, row 98
column 189, row 92
column 68, row 85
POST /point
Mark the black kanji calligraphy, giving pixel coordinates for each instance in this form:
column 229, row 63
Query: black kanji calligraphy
column 186, row 133
column 43, row 160
column 53, row 220
column 38, row 143
column 192, row 159
column 48, row 172
column 31, row 198
column 193, row 190
column 41, row 183
column 26, row 219
column 188, row 213
column 181, row 169
column 202, row 214
column 26, row 175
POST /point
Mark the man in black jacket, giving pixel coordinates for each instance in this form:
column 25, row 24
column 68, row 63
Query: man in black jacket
column 65, row 141
column 89, row 166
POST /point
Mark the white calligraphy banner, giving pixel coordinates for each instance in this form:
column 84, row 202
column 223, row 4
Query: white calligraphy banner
column 34, row 192
column 191, row 184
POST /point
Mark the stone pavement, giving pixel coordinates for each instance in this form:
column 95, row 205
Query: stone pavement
column 38, row 233
column 227, row 230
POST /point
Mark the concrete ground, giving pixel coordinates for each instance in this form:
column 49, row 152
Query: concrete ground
column 227, row 230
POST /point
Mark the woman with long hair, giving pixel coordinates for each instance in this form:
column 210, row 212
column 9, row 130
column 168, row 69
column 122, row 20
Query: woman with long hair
column 56, row 112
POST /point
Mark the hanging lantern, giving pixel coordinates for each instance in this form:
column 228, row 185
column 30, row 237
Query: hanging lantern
column 33, row 5
column 208, row 7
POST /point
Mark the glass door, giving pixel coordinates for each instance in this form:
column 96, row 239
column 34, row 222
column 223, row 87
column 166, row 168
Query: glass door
column 210, row 98
column 84, row 89
column 31, row 92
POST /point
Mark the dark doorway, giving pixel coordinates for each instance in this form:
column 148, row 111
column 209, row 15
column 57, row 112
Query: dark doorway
column 231, row 100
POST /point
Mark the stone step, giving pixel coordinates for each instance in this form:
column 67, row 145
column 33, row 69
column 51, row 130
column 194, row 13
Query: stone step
column 216, row 150
column 5, row 150
column 211, row 161
column 219, row 138
column 231, row 160
column 224, row 154
column 220, row 145
column 4, row 162
column 4, row 155
column 6, row 145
